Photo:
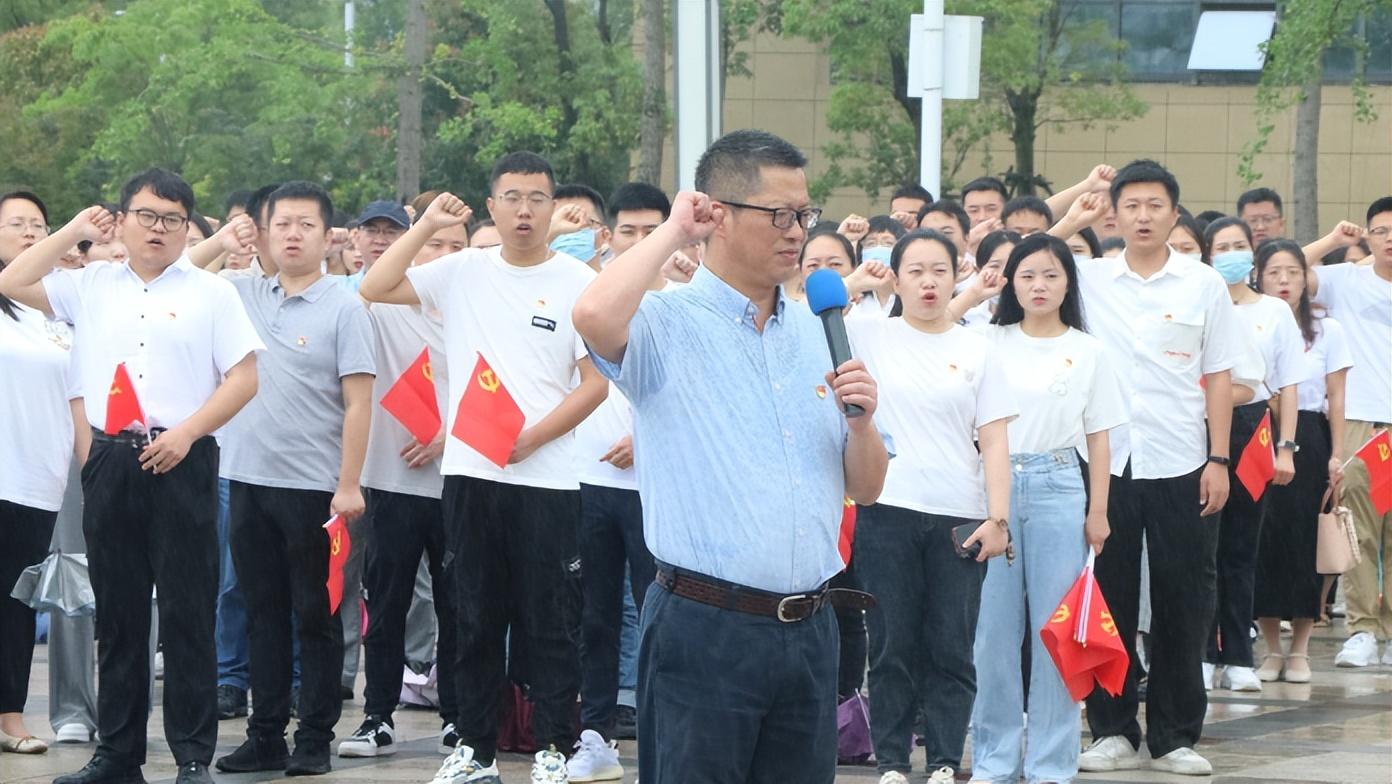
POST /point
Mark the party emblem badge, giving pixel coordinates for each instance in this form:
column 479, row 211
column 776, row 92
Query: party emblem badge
column 821, row 391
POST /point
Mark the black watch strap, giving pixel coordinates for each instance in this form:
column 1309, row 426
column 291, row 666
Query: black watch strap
column 1222, row 461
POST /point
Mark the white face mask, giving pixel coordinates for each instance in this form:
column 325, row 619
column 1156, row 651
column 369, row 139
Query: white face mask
column 1079, row 258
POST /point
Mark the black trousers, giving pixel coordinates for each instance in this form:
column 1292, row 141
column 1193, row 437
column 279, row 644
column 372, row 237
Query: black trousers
column 514, row 561
column 611, row 537
column 400, row 527
column 1183, row 546
column 855, row 647
column 281, row 554
column 1288, row 585
column 146, row 531
column 25, row 532
column 1230, row 639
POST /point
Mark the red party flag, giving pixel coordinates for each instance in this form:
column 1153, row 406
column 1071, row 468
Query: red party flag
column 122, row 405
column 847, row 535
column 1258, row 463
column 487, row 418
column 340, row 545
column 1377, row 455
column 1083, row 640
column 412, row 400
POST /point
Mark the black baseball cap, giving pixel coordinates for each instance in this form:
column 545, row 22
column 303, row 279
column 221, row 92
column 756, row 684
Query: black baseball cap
column 389, row 210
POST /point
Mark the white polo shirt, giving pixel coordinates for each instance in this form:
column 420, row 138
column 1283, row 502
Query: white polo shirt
column 179, row 334
column 1162, row 335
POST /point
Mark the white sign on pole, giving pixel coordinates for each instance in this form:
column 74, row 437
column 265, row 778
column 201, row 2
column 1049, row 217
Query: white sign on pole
column 944, row 62
column 696, row 83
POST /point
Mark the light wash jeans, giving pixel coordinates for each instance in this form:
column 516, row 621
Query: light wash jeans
column 1048, row 506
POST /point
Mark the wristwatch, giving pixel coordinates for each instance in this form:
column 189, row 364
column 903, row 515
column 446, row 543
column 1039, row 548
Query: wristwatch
column 1222, row 461
column 1291, row 445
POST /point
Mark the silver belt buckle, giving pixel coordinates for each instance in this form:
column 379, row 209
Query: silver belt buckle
column 782, row 603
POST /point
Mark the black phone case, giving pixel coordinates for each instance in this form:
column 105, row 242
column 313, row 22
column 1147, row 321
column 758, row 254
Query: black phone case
column 961, row 534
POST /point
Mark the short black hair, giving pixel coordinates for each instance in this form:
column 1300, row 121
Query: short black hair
column 1027, row 204
column 522, row 162
column 1192, row 225
column 237, row 198
column 303, row 189
column 879, row 224
column 256, row 202
column 578, row 190
column 911, row 190
column 199, row 222
column 1009, row 310
column 1090, row 237
column 991, row 242
column 948, row 207
column 1144, row 170
column 1340, row 255
column 731, row 168
column 1212, row 229
column 161, row 182
column 1259, row 195
column 1208, row 216
column 1378, row 207
column 28, row 196
column 986, row 184
column 634, row 196
column 1113, row 243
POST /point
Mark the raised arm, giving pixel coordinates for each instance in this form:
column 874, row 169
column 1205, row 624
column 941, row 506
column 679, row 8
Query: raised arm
column 1099, row 180
column 1087, row 210
column 386, row 281
column 22, row 279
column 236, row 236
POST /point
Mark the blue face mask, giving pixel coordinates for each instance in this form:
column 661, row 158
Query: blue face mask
column 875, row 254
column 1235, row 266
column 579, row 244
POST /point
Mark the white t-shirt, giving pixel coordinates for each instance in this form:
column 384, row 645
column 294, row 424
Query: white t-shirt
column 869, row 306
column 1064, row 386
column 595, row 436
column 1272, row 325
column 36, row 428
column 400, row 332
column 935, row 391
column 518, row 318
column 1362, row 302
column 1329, row 353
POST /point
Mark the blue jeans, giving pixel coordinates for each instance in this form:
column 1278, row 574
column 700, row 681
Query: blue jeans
column 921, row 632
column 628, row 646
column 233, row 644
column 1048, row 505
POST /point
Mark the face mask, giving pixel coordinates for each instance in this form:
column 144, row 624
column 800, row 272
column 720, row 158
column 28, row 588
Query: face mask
column 579, row 244
column 875, row 254
column 1195, row 256
column 1235, row 266
column 1081, row 258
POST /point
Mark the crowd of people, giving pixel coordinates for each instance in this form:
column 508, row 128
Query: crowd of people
column 1036, row 385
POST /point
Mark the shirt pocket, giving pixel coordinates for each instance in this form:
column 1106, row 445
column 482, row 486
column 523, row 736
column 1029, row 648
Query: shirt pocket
column 1177, row 337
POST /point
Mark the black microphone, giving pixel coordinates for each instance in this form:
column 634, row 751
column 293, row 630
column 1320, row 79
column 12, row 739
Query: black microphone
column 826, row 294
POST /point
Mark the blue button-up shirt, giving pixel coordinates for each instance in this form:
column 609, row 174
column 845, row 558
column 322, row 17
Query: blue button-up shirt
column 737, row 436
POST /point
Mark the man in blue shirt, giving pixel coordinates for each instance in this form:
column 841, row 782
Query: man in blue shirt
column 746, row 458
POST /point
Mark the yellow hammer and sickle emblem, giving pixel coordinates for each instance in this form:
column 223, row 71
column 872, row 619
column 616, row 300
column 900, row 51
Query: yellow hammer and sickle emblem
column 1108, row 625
column 427, row 372
column 337, row 545
column 489, row 381
column 1060, row 615
column 1383, row 452
column 1265, row 437
column 115, row 390
column 848, row 502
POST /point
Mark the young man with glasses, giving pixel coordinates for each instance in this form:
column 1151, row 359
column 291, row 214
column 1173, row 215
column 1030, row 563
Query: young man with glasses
column 381, row 223
column 512, row 532
column 150, row 489
column 1260, row 209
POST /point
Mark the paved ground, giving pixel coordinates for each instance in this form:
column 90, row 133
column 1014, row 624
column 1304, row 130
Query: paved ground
column 1337, row 729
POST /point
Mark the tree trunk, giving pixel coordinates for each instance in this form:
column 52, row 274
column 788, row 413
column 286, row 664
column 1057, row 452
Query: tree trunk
column 1024, row 107
column 409, row 138
column 653, row 128
column 1304, row 202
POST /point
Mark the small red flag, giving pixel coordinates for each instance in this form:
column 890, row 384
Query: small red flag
column 340, row 545
column 412, row 400
column 1258, row 463
column 1083, row 640
column 487, row 418
column 1377, row 455
column 847, row 535
column 122, row 405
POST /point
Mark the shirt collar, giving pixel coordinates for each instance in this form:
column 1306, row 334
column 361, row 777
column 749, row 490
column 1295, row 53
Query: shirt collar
column 1174, row 265
column 310, row 294
column 726, row 300
column 181, row 265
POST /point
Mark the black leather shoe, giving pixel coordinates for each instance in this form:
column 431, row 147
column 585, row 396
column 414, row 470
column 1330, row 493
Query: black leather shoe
column 625, row 723
column 103, row 771
column 193, row 773
column 256, row 753
column 232, row 702
column 309, row 759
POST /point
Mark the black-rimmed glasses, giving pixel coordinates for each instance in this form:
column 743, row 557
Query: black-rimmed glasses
column 783, row 217
column 171, row 222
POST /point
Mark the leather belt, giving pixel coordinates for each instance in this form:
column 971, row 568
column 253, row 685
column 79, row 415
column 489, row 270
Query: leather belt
column 130, row 438
column 787, row 608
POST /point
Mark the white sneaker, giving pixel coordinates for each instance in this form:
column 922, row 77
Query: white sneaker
column 595, row 759
column 73, row 733
column 159, row 665
column 1360, row 650
column 373, row 738
column 549, row 768
column 1184, row 761
column 449, row 738
column 1209, row 670
column 894, row 777
column 1110, row 753
column 460, row 767
column 1241, row 679
column 943, row 775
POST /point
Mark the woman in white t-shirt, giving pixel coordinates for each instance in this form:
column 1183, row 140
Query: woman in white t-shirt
column 1269, row 324
column 1068, row 394
column 941, row 392
column 36, row 448
column 975, row 306
column 1287, row 584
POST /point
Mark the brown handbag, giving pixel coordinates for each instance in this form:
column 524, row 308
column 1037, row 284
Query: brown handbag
column 1336, row 548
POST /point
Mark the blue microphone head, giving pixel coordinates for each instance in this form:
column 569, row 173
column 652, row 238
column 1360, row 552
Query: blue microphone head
column 825, row 290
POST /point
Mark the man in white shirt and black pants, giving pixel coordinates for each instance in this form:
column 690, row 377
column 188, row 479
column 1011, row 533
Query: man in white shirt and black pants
column 150, row 496
column 1169, row 327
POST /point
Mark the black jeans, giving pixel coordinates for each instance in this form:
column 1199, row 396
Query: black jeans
column 921, row 633
column 25, row 532
column 281, row 553
column 725, row 697
column 153, row 531
column 1230, row 640
column 611, row 536
column 850, row 622
column 1182, row 547
column 400, row 527
column 514, row 560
